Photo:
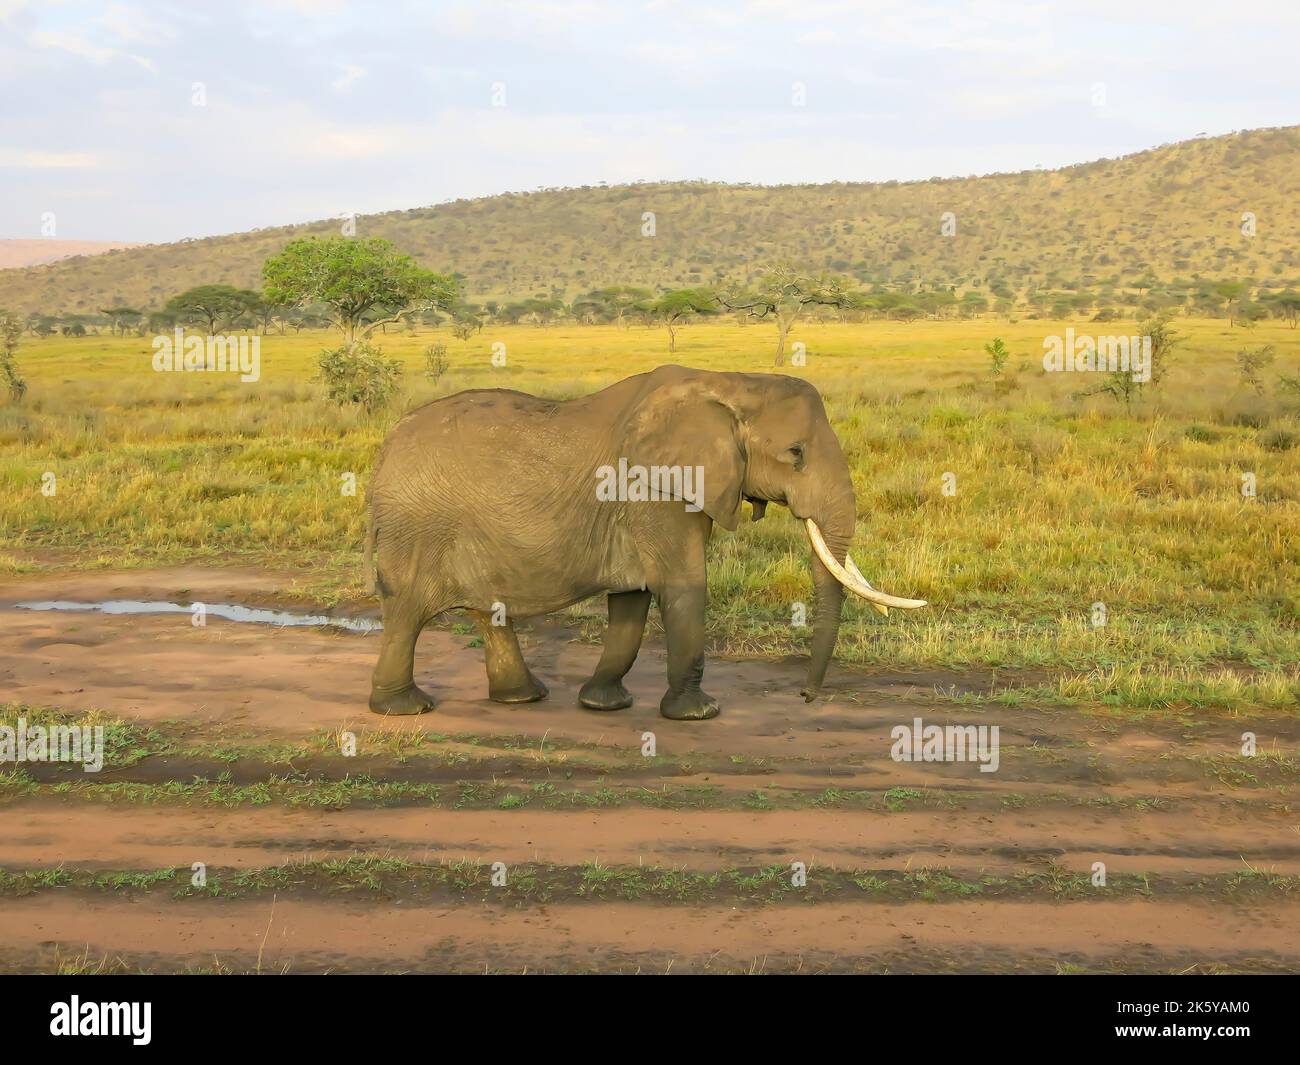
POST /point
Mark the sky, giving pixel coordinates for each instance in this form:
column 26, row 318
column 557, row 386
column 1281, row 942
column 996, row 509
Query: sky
column 154, row 121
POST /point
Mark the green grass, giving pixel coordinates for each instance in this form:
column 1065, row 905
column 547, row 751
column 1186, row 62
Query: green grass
column 1260, row 783
column 127, row 744
column 1061, row 501
column 535, row 884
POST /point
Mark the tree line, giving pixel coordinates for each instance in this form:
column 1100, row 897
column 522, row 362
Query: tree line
column 360, row 286
column 371, row 285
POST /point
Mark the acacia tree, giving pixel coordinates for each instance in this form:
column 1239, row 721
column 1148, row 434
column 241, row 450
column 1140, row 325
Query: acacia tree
column 1121, row 385
column 1232, row 293
column 674, row 307
column 1288, row 306
column 784, row 295
column 11, row 329
column 266, row 312
column 212, row 304
column 466, row 319
column 611, row 304
column 120, row 317
column 365, row 284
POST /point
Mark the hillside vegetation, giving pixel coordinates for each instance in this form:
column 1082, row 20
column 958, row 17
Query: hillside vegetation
column 1167, row 217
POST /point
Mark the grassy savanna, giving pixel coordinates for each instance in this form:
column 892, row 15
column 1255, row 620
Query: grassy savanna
column 1061, row 501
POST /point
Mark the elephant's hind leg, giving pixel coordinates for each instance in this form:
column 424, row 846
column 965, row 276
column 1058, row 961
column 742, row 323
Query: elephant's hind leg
column 393, row 689
column 509, row 679
column 627, row 614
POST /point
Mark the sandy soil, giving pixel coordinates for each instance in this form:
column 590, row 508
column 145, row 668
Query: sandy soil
column 297, row 936
column 1072, row 789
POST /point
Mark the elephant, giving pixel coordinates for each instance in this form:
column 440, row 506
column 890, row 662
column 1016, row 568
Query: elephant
column 512, row 506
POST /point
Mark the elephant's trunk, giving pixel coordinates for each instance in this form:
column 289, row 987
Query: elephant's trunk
column 830, row 531
column 836, row 525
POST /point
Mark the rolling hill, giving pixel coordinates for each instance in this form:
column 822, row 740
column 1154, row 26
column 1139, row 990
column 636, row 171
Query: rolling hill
column 19, row 253
column 1173, row 212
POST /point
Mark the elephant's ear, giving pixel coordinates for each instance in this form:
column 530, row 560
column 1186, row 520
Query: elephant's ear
column 684, row 428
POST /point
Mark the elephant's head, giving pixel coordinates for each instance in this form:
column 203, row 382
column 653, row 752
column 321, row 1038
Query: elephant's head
column 764, row 438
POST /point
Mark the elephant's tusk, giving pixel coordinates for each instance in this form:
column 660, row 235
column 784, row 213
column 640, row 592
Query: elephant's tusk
column 851, row 566
column 854, row 583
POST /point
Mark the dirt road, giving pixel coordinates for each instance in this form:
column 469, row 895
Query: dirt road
column 779, row 837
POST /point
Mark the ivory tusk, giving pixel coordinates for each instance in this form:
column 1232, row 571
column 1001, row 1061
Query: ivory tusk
column 851, row 566
column 854, row 583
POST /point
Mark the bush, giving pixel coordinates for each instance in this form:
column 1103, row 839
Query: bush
column 10, row 330
column 1278, row 440
column 359, row 373
column 1202, row 434
column 1251, row 418
column 1120, row 384
column 1251, row 362
column 435, row 361
column 998, row 355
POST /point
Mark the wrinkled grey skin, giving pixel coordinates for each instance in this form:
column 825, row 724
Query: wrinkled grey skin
column 490, row 497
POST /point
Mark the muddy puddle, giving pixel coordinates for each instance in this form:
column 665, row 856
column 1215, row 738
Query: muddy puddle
column 227, row 611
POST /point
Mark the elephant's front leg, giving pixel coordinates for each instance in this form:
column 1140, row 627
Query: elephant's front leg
column 509, row 679
column 627, row 614
column 681, row 606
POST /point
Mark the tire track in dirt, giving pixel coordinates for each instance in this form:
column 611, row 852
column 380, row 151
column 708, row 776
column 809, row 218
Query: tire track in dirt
column 1072, row 789
column 44, row 835
column 306, row 935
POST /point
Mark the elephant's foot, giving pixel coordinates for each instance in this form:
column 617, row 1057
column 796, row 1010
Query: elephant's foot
column 604, row 695
column 407, row 701
column 689, row 706
column 528, row 690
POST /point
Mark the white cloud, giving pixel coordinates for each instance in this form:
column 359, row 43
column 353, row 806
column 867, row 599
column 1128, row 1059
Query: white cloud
column 351, row 144
column 64, row 41
column 312, row 8
column 351, row 74
column 34, row 159
column 131, row 25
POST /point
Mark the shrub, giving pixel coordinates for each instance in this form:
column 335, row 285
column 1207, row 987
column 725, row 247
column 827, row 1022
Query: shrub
column 1120, row 384
column 998, row 355
column 1251, row 418
column 1251, row 362
column 1202, row 434
column 359, row 373
column 1288, row 385
column 1278, row 440
column 11, row 328
column 435, row 361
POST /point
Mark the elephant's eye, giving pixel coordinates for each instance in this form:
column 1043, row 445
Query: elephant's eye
column 796, row 452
